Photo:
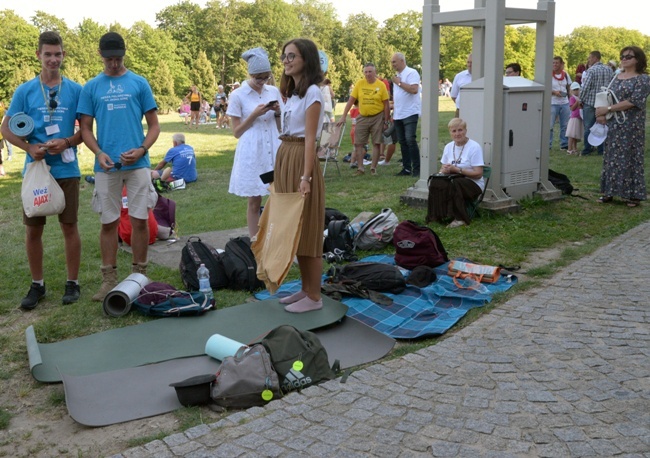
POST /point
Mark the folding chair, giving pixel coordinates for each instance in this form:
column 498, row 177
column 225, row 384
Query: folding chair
column 329, row 144
column 472, row 207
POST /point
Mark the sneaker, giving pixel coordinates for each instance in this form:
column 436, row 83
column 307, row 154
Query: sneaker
column 456, row 223
column 366, row 162
column 403, row 173
column 359, row 172
column 353, row 165
column 72, row 292
column 36, row 293
column 416, row 172
column 383, row 163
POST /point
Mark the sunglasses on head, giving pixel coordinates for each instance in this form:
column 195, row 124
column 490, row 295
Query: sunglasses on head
column 627, row 56
column 53, row 103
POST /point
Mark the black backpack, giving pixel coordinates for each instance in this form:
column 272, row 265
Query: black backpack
column 240, row 266
column 375, row 276
column 417, row 245
column 194, row 253
column 298, row 357
column 560, row 181
column 332, row 214
column 339, row 236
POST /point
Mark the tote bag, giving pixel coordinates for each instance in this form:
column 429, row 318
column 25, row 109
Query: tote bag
column 276, row 242
column 41, row 194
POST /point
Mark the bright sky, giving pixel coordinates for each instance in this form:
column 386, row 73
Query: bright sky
column 569, row 14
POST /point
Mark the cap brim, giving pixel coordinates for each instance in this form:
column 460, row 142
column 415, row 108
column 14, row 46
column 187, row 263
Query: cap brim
column 595, row 140
column 112, row 52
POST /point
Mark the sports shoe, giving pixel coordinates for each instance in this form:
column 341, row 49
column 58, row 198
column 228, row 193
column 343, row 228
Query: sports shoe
column 36, row 293
column 353, row 165
column 72, row 292
column 403, row 173
column 383, row 162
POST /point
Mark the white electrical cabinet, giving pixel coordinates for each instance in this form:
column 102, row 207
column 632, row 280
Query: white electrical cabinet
column 520, row 161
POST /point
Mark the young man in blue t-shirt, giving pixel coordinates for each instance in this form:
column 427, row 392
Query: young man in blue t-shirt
column 50, row 100
column 182, row 159
column 118, row 99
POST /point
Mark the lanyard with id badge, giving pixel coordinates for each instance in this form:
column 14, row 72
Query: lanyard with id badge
column 51, row 129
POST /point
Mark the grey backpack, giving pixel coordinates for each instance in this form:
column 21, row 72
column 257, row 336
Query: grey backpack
column 377, row 232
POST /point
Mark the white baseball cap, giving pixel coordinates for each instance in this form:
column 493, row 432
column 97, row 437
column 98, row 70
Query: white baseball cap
column 597, row 134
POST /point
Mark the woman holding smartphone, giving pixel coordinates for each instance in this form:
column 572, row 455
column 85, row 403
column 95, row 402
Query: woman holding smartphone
column 298, row 169
column 254, row 110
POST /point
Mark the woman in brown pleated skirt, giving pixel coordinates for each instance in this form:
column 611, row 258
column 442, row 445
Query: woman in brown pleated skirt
column 297, row 168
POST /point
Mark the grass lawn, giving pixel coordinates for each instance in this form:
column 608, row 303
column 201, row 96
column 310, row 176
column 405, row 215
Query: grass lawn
column 577, row 226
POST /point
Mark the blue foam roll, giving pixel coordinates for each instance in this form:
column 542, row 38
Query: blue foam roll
column 21, row 125
column 219, row 347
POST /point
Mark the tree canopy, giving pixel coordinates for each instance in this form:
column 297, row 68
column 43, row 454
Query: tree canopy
column 203, row 46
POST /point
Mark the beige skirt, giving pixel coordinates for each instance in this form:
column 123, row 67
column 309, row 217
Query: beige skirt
column 289, row 167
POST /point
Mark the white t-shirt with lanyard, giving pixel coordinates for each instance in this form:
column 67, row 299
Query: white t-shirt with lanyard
column 468, row 155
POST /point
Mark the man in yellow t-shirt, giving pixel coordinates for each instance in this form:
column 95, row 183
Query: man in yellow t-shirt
column 374, row 115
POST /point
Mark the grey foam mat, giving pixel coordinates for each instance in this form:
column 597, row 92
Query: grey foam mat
column 138, row 392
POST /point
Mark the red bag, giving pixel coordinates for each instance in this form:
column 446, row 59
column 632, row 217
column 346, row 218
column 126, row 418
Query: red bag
column 417, row 245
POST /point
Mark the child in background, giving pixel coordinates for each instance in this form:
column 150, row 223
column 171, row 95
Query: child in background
column 575, row 127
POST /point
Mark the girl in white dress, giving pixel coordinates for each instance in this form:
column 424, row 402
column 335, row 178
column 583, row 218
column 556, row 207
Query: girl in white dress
column 255, row 110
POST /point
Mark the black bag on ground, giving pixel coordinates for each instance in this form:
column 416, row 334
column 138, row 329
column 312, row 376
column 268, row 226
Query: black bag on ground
column 298, row 357
column 417, row 245
column 194, row 253
column 375, row 276
column 240, row 265
column 332, row 214
column 339, row 236
column 560, row 181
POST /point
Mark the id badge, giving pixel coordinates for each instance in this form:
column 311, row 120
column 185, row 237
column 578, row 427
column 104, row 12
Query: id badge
column 52, row 129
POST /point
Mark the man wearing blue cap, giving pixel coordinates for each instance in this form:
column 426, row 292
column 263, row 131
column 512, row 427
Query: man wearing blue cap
column 50, row 100
column 118, row 99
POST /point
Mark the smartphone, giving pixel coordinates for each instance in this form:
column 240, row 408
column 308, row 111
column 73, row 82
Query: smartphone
column 267, row 177
column 271, row 103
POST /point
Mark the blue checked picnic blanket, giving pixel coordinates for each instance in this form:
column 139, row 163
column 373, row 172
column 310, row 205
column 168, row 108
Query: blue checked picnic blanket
column 416, row 312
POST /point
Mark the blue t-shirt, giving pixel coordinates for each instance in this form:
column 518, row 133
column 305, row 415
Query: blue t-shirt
column 183, row 162
column 118, row 104
column 33, row 99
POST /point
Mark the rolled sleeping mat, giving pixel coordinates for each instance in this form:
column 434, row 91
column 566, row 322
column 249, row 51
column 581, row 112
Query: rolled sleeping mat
column 21, row 125
column 118, row 300
column 220, row 347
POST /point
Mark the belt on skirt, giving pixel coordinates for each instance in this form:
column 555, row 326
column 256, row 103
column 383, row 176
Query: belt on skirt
column 291, row 138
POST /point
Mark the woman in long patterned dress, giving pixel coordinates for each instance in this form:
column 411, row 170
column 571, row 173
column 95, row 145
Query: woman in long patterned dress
column 623, row 160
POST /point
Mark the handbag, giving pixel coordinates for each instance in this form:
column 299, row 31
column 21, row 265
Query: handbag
column 41, row 194
column 477, row 272
column 246, row 379
column 606, row 98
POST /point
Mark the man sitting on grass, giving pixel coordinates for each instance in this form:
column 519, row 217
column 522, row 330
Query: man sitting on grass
column 182, row 159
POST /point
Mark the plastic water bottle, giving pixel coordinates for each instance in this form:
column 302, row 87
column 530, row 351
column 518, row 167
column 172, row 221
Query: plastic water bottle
column 203, row 274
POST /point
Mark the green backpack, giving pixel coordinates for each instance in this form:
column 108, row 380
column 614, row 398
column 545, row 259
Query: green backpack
column 298, row 357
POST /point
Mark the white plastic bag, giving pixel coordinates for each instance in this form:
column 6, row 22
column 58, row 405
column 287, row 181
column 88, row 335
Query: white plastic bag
column 41, row 194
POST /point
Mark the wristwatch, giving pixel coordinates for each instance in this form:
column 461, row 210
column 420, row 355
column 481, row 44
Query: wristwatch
column 307, row 179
